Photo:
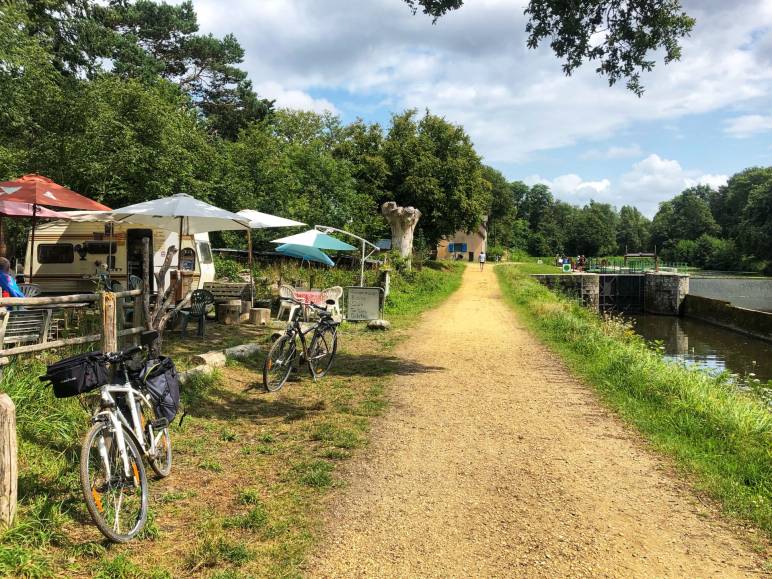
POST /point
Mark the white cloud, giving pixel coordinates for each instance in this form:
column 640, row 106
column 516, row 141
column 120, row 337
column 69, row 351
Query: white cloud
column 473, row 67
column 293, row 98
column 573, row 188
column 613, row 152
column 654, row 179
column 748, row 125
column 647, row 183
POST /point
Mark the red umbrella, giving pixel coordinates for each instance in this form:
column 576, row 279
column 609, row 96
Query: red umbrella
column 39, row 190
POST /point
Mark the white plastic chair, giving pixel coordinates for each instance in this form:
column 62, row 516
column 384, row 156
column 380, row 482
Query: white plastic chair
column 287, row 291
column 334, row 293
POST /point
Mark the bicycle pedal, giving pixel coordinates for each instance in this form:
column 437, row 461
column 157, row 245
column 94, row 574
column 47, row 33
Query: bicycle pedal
column 159, row 424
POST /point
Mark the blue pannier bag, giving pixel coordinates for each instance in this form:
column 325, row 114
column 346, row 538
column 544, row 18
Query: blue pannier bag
column 159, row 377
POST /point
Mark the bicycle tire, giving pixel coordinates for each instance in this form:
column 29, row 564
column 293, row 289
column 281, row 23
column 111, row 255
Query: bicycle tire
column 281, row 356
column 162, row 464
column 322, row 351
column 94, row 496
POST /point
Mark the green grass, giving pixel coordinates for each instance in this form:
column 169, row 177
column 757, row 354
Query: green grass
column 251, row 470
column 719, row 436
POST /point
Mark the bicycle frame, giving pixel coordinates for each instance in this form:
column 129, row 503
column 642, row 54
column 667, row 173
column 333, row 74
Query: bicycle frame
column 110, row 410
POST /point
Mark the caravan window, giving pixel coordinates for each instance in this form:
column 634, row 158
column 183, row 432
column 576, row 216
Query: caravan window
column 204, row 252
column 56, row 253
column 100, row 247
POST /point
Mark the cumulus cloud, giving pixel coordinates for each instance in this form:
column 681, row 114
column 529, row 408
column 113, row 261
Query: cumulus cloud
column 748, row 125
column 648, row 182
column 654, row 179
column 473, row 67
column 573, row 188
column 293, row 98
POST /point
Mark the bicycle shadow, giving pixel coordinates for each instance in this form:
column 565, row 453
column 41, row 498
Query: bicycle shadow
column 376, row 365
column 252, row 403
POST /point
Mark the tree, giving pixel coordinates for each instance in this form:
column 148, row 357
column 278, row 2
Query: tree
column 633, row 230
column 503, row 210
column 754, row 231
column 434, row 168
column 537, row 202
column 620, row 35
column 123, row 142
column 593, row 230
column 151, row 39
column 402, row 221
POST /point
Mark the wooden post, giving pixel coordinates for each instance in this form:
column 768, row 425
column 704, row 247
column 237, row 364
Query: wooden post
column 8, row 465
column 146, row 282
column 109, row 327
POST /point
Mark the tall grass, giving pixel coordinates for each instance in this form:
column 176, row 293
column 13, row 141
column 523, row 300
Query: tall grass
column 415, row 291
column 717, row 434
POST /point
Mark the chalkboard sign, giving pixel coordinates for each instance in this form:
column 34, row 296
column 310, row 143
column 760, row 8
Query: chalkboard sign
column 363, row 303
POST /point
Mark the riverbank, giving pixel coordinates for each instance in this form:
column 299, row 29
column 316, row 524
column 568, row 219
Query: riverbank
column 721, row 438
column 251, row 470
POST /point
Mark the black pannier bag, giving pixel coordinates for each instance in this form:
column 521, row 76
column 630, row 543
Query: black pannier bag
column 161, row 380
column 77, row 374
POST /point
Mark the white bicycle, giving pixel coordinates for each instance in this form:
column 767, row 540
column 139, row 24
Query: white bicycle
column 124, row 430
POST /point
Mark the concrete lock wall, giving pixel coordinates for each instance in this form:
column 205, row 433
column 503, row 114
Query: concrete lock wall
column 584, row 286
column 743, row 292
column 722, row 313
column 664, row 293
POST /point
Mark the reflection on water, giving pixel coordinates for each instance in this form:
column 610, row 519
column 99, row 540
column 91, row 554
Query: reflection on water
column 707, row 346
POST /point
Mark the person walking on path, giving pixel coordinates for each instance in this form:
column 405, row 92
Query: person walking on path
column 482, row 260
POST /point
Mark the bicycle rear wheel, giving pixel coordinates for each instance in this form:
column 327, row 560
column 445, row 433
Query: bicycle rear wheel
column 278, row 363
column 161, row 460
column 321, row 353
column 117, row 503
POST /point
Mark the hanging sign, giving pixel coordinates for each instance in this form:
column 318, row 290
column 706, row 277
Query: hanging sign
column 363, row 303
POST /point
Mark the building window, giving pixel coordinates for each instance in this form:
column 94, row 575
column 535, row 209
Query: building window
column 457, row 247
column 56, row 253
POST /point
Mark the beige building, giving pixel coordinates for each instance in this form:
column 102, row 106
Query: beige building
column 463, row 245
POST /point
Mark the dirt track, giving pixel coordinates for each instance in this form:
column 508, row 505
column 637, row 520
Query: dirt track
column 493, row 461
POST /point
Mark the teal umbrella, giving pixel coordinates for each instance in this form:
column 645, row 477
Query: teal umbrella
column 316, row 239
column 305, row 252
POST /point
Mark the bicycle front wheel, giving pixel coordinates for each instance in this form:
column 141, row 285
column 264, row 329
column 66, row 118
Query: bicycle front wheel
column 321, row 353
column 278, row 363
column 116, row 501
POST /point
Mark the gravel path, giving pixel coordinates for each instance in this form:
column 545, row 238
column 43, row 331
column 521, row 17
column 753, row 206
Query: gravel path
column 495, row 462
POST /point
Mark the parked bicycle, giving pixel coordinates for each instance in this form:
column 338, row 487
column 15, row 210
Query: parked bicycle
column 130, row 422
column 291, row 349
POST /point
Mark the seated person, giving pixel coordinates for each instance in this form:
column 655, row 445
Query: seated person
column 7, row 283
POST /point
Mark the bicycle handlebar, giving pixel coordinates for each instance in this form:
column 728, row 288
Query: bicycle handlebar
column 115, row 357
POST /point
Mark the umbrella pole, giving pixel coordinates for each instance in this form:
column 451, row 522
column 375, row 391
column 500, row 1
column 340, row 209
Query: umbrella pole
column 251, row 280
column 362, row 271
column 32, row 242
column 2, row 239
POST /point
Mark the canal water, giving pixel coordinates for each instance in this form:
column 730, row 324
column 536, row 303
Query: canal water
column 710, row 347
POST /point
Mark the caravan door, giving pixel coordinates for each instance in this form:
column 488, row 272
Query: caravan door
column 134, row 258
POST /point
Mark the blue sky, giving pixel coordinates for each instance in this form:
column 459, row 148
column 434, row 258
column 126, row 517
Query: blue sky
column 700, row 120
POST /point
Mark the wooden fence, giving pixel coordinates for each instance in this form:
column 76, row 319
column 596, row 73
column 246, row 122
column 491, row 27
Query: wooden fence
column 32, row 328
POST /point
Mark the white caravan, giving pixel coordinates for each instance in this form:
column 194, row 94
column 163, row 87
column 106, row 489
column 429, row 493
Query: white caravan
column 69, row 254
